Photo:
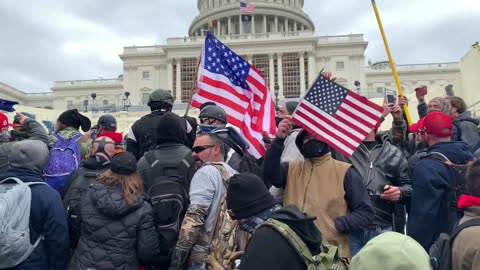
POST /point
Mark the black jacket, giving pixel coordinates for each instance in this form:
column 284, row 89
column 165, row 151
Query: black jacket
column 383, row 165
column 114, row 234
column 79, row 180
column 142, row 135
column 259, row 253
column 170, row 153
column 47, row 217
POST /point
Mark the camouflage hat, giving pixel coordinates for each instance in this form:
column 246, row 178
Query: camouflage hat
column 161, row 95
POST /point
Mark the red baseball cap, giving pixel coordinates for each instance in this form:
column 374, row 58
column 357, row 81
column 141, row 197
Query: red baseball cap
column 438, row 124
column 4, row 121
column 414, row 128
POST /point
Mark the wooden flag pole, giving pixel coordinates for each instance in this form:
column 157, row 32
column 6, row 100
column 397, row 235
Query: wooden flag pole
column 210, row 26
column 392, row 64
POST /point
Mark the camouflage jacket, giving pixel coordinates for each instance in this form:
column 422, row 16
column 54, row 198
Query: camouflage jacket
column 84, row 143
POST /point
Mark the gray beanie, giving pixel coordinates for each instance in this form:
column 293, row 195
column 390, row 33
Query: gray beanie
column 29, row 154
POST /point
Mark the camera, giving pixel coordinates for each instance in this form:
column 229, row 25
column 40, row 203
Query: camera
column 391, row 97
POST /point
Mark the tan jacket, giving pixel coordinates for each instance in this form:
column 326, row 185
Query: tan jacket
column 466, row 246
column 316, row 187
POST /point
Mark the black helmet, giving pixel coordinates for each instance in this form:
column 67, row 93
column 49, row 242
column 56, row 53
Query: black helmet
column 214, row 112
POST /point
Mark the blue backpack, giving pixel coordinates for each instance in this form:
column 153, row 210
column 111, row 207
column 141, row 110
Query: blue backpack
column 64, row 158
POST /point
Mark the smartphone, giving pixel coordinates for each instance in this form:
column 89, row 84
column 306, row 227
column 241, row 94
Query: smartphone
column 421, row 91
column 391, row 97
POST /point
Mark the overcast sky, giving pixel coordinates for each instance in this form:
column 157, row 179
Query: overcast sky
column 49, row 40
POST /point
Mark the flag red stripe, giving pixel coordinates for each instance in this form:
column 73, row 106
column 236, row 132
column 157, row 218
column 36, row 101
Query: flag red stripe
column 331, row 123
column 335, row 125
column 366, row 102
column 223, row 87
column 361, row 110
column 312, row 123
column 220, row 99
column 355, row 117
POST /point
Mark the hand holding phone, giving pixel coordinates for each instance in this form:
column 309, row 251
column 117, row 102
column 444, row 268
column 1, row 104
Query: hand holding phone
column 391, row 97
column 421, row 91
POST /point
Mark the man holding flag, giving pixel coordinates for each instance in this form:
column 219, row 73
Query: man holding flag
column 238, row 88
column 332, row 117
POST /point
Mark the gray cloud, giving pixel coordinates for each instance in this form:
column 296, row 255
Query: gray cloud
column 50, row 40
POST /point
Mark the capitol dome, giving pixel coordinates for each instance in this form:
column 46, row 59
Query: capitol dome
column 270, row 16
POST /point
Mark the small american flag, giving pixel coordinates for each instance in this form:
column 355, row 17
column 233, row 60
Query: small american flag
column 336, row 115
column 240, row 89
column 247, row 8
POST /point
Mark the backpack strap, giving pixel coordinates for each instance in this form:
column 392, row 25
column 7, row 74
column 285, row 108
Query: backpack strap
column 464, row 225
column 292, row 237
column 12, row 179
column 223, row 172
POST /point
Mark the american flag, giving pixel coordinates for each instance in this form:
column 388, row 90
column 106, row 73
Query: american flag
column 247, row 8
column 240, row 89
column 336, row 115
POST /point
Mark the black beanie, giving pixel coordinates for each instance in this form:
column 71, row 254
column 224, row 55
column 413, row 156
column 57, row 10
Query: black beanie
column 247, row 196
column 170, row 129
column 72, row 118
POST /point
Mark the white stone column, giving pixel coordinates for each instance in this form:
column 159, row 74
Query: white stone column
column 312, row 72
column 302, row 74
column 178, row 89
column 229, row 30
column 240, row 24
column 170, row 74
column 286, row 24
column 295, row 26
column 249, row 59
column 264, row 23
column 252, row 31
column 280, row 76
column 219, row 28
column 271, row 69
column 276, row 24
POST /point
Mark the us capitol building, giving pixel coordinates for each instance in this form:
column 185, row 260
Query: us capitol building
column 279, row 40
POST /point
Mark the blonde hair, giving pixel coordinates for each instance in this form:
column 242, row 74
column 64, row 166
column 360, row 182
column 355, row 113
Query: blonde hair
column 131, row 185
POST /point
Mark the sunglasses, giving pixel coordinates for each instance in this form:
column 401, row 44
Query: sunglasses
column 199, row 149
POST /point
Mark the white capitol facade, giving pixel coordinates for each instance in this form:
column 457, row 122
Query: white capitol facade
column 279, row 40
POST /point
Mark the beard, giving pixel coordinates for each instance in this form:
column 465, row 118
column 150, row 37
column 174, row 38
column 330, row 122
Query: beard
column 197, row 162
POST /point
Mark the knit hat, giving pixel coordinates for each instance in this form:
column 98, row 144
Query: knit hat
column 123, row 163
column 417, row 126
column 247, row 196
column 107, row 121
column 160, row 95
column 390, row 251
column 170, row 129
column 72, row 118
column 22, row 153
column 438, row 124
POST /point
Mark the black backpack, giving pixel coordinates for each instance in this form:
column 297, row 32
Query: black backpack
column 168, row 193
column 441, row 251
column 459, row 172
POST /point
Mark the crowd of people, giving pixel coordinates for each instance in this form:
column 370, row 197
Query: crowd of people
column 180, row 194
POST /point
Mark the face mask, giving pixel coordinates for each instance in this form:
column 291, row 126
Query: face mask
column 314, row 148
column 5, row 136
column 278, row 120
column 202, row 129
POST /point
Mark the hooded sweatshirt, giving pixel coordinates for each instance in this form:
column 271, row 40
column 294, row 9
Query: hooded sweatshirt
column 431, row 211
column 47, row 216
column 114, row 235
column 391, row 251
column 259, row 253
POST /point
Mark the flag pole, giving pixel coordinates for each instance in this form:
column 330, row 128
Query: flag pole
column 210, row 26
column 392, row 64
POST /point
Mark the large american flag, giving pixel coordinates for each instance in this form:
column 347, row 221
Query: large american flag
column 240, row 89
column 336, row 115
column 247, row 8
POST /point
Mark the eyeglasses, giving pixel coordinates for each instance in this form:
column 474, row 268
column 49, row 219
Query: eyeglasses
column 199, row 149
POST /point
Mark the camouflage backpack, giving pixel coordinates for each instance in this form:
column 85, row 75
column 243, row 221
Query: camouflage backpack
column 327, row 259
column 226, row 229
